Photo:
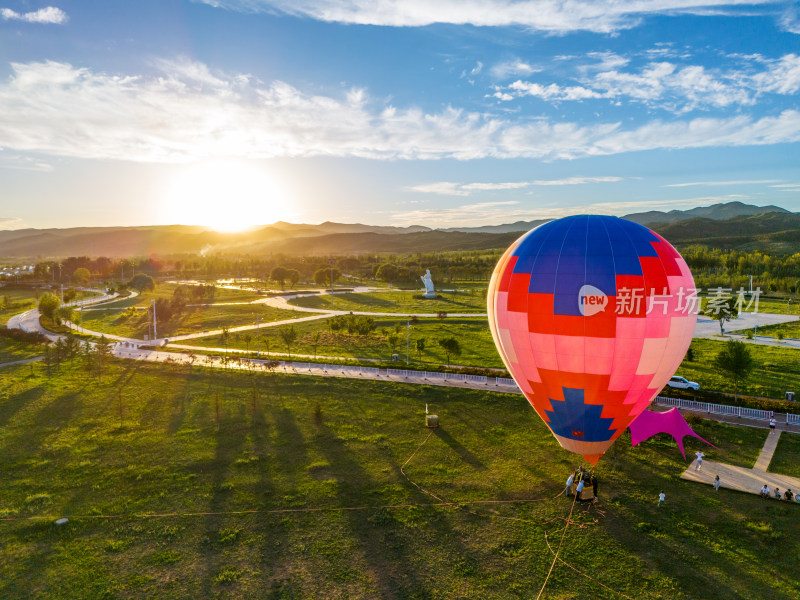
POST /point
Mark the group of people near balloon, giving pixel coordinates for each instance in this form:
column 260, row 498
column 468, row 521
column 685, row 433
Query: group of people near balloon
column 579, row 480
column 776, row 493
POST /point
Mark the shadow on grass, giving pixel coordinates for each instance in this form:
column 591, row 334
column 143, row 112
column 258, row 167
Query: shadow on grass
column 467, row 456
column 17, row 402
column 391, row 569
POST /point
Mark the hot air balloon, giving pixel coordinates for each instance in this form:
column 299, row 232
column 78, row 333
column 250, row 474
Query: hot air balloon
column 591, row 315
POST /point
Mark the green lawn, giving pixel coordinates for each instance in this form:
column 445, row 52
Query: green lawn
column 789, row 330
column 473, row 301
column 11, row 350
column 777, row 370
column 478, row 348
column 193, row 320
column 297, row 444
column 786, row 459
column 17, row 301
column 779, row 306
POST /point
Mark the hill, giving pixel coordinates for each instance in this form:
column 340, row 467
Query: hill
column 716, row 212
column 776, row 232
column 731, row 226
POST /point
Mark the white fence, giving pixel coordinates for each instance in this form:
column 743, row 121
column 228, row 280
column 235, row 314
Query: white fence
column 723, row 409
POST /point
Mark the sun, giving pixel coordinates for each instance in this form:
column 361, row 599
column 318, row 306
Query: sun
column 226, row 196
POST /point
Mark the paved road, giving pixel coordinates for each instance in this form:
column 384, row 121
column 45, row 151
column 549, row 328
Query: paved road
column 707, row 328
column 29, row 320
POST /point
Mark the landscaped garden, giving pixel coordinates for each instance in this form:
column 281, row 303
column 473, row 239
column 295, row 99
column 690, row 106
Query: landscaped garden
column 405, row 301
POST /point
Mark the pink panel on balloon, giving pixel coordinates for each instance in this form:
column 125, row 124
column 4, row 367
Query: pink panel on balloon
column 629, row 328
column 543, row 348
column 570, row 350
column 656, row 326
column 600, row 355
column 639, row 384
column 652, row 353
column 526, row 360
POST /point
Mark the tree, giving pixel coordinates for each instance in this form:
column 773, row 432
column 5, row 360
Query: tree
column 102, row 354
column 293, row 275
column 722, row 308
column 225, row 337
column 48, row 303
column 247, row 337
column 70, row 294
column 736, row 361
column 81, row 276
column 419, row 344
column 392, row 338
column 387, row 272
column 63, row 313
column 288, row 335
column 315, row 341
column 279, row 275
column 142, row 282
column 323, row 276
column 450, row 346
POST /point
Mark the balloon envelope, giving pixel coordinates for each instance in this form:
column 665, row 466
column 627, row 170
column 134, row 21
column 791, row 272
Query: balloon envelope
column 591, row 315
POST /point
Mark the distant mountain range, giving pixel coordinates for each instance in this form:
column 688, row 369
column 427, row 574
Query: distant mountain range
column 715, row 212
column 729, row 225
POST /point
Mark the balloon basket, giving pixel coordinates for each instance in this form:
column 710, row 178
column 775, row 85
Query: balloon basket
column 431, row 421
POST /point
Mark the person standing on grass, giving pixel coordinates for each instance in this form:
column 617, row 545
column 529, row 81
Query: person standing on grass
column 661, row 497
column 568, row 489
column 717, row 483
column 699, row 464
column 579, row 489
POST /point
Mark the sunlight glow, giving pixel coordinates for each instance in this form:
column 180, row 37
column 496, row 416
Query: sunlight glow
column 227, row 196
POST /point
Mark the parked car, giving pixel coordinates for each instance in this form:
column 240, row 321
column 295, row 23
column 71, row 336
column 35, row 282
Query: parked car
column 682, row 383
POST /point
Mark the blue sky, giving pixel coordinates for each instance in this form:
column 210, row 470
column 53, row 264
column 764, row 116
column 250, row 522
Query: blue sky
column 233, row 113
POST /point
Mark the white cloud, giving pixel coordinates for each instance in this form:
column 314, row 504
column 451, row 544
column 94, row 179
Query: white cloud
column 605, row 61
column 718, row 183
column 679, row 88
column 23, row 163
column 790, row 21
column 557, row 16
column 512, row 68
column 8, row 223
column 49, row 14
column 190, row 113
column 448, row 188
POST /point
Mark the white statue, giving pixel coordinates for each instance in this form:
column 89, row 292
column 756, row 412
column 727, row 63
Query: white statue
column 428, row 283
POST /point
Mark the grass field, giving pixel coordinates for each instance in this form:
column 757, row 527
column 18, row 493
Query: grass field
column 786, row 459
column 770, row 305
column 478, row 348
column 777, row 370
column 11, row 350
column 788, row 330
column 401, row 302
column 18, row 301
column 193, row 320
column 297, row 444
